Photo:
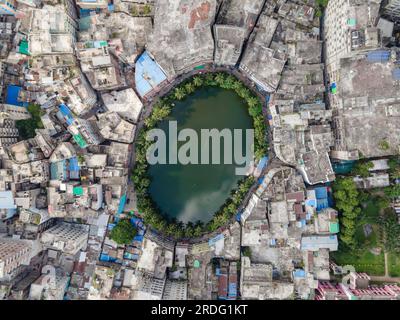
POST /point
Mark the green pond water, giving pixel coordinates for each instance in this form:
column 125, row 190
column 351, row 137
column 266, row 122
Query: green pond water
column 195, row 192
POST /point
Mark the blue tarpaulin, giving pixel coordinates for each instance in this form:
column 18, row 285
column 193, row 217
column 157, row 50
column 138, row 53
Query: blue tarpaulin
column 238, row 216
column 121, row 205
column 12, row 96
column 107, row 258
column 321, row 193
column 138, row 238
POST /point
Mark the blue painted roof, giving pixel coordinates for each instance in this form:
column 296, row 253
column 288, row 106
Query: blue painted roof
column 396, row 74
column 322, row 204
column 321, row 192
column 7, row 200
column 67, row 114
column 121, row 205
column 74, row 168
column 299, row 273
column 148, row 74
column 215, row 239
column 311, row 203
column 232, row 289
column 262, row 163
column 12, row 96
column 378, row 56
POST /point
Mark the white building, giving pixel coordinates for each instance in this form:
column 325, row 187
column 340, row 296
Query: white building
column 125, row 102
column 44, row 288
column 66, row 237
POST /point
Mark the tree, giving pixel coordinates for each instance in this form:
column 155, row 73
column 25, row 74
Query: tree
column 123, row 232
column 255, row 109
column 347, row 202
column 146, row 10
column 220, row 78
column 189, row 88
column 390, row 231
column 180, row 93
column 362, row 168
column 384, row 145
column 393, row 192
column 26, row 128
column 246, row 251
column 394, row 165
column 197, row 81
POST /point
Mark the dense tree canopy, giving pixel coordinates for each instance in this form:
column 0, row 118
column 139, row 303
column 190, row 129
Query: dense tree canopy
column 348, row 203
column 26, row 128
column 123, row 232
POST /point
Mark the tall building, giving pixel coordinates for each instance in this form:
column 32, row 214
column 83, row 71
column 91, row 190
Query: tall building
column 8, row 132
column 349, row 28
column 8, row 7
column 66, row 237
column 392, row 8
column 13, row 253
column 175, row 290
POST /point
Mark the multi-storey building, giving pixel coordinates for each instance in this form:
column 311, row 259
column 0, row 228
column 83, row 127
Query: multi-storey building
column 392, row 8
column 66, row 237
column 13, row 253
column 349, row 27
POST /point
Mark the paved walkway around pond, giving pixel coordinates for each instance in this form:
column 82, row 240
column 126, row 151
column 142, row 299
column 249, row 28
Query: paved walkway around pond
column 148, row 108
column 385, row 279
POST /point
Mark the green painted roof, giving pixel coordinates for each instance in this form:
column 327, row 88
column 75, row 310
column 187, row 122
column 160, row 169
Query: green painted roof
column 77, row 191
column 351, row 22
column 80, row 141
column 334, row 227
column 23, row 47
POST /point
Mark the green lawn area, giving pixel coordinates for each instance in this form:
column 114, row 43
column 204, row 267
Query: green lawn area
column 371, row 211
column 364, row 261
column 394, row 264
column 372, row 239
column 370, row 214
